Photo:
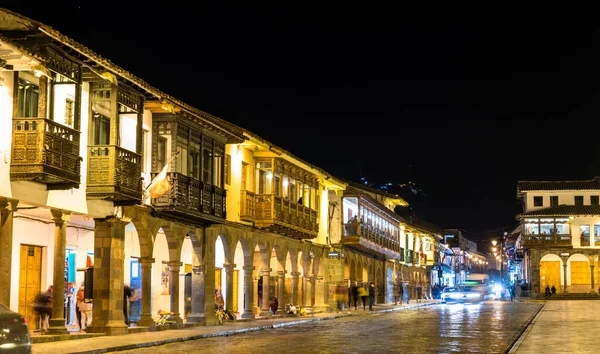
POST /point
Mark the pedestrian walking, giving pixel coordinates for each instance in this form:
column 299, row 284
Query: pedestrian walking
column 43, row 307
column 86, row 309
column 397, row 292
column 127, row 295
column 363, row 293
column 419, row 292
column 340, row 297
column 405, row 292
column 371, row 295
column 355, row 294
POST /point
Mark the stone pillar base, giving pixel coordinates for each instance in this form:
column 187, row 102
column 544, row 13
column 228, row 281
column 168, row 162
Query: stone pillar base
column 114, row 328
column 57, row 326
column 248, row 314
column 196, row 318
column 146, row 321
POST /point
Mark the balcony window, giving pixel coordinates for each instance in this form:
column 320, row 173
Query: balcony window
column 350, row 216
column 128, row 131
column 578, row 200
column 277, row 184
column 532, row 229
column 206, row 168
column 217, row 170
column 161, row 152
column 538, row 201
column 562, row 228
column 584, row 235
column 27, row 97
column 64, row 103
column 145, row 150
column 264, row 177
column 554, row 200
column 100, row 130
column 597, row 235
column 594, row 200
column 228, row 169
column 244, row 176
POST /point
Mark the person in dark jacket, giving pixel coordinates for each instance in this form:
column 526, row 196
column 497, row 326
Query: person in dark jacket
column 371, row 295
column 553, row 290
column 43, row 307
column 355, row 294
column 127, row 295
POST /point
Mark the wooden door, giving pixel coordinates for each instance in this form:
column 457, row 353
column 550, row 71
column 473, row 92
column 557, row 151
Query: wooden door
column 581, row 274
column 550, row 275
column 30, row 275
column 236, row 274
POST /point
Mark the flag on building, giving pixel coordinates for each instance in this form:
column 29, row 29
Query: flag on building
column 160, row 185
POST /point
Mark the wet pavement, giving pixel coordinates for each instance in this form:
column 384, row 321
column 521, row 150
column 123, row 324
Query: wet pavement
column 571, row 326
column 490, row 327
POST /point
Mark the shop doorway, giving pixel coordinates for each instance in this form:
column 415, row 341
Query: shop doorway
column 30, row 276
column 135, row 307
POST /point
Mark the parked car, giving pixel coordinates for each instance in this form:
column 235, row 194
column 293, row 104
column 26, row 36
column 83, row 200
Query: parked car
column 461, row 294
column 14, row 332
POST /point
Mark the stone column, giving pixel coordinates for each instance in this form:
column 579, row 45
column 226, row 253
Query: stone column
column 57, row 322
column 228, row 285
column 6, row 246
column 248, row 292
column 109, row 264
column 295, row 276
column 565, row 276
column 198, row 295
column 255, row 307
column 280, row 289
column 265, row 291
column 592, row 268
column 146, row 316
column 174, row 267
column 534, row 268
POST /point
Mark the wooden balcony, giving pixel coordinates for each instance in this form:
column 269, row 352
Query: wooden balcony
column 192, row 200
column 284, row 216
column 45, row 151
column 370, row 241
column 114, row 174
column 247, row 206
column 547, row 241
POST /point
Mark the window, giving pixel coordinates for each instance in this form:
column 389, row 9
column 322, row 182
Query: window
column 578, row 200
column 161, row 153
column 206, row 168
column 538, row 201
column 554, row 200
column 218, row 170
column 145, row 152
column 597, row 235
column 244, row 178
column 594, row 200
column 227, row 169
column 27, row 96
column 584, row 236
column 100, row 133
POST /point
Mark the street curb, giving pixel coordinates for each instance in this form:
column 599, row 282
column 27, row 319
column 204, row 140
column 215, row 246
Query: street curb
column 238, row 331
column 526, row 330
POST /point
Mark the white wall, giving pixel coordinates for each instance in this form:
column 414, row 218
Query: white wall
column 564, row 197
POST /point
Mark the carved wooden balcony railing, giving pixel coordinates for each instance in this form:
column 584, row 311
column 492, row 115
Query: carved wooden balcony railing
column 372, row 241
column 545, row 241
column 247, row 207
column 45, row 151
column 114, row 173
column 191, row 199
column 284, row 216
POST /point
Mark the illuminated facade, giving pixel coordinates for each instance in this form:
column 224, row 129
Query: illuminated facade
column 559, row 240
column 81, row 140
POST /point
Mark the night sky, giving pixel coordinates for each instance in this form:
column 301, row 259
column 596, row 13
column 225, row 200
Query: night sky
column 463, row 101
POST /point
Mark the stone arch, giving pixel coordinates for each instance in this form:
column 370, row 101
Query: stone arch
column 146, row 231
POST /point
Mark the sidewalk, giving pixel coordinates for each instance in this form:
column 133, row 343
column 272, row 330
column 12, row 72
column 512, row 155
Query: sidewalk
column 562, row 326
column 76, row 343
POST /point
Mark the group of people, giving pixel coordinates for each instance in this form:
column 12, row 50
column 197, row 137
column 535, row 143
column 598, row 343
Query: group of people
column 550, row 291
column 355, row 292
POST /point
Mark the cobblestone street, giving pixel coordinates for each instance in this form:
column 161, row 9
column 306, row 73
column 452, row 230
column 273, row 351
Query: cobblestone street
column 491, row 327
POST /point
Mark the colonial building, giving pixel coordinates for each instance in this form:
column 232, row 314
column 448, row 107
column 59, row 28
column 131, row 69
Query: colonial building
column 560, row 234
column 84, row 143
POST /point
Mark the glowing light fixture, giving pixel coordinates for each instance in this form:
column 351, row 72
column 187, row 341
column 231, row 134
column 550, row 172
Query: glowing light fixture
column 40, row 70
column 109, row 77
column 494, row 242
